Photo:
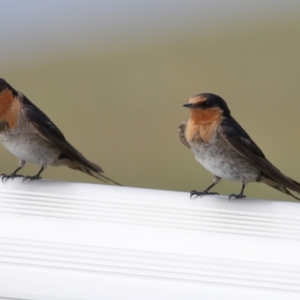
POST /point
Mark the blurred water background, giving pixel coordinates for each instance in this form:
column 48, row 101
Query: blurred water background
column 113, row 76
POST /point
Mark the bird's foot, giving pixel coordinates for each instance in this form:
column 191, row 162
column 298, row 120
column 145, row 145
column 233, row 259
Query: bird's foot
column 239, row 196
column 196, row 193
column 11, row 176
column 35, row 177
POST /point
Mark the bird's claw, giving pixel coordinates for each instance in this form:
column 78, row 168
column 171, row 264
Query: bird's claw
column 239, row 196
column 196, row 193
column 11, row 176
column 35, row 177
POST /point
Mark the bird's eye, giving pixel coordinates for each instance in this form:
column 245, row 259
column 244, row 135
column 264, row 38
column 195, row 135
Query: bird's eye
column 208, row 103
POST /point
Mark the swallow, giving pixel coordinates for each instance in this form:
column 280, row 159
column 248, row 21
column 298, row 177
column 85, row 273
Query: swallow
column 223, row 147
column 32, row 137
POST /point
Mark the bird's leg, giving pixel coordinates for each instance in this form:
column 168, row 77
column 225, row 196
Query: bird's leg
column 241, row 194
column 206, row 191
column 14, row 173
column 37, row 176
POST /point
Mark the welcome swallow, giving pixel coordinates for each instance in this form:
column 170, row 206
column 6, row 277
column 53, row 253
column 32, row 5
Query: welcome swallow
column 223, row 147
column 32, row 137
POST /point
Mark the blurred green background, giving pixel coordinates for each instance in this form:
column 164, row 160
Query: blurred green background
column 113, row 77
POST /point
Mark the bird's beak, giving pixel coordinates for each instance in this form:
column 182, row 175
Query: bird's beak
column 188, row 105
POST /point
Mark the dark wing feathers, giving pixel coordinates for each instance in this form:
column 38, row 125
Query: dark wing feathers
column 37, row 117
column 230, row 129
column 238, row 139
column 181, row 132
column 49, row 131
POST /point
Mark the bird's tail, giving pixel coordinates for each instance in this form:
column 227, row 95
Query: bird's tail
column 107, row 179
column 92, row 170
column 294, row 186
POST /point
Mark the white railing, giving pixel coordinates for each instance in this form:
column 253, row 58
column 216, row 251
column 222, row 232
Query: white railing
column 64, row 240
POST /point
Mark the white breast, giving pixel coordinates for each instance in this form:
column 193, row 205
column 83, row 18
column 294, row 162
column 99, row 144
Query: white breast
column 29, row 146
column 224, row 161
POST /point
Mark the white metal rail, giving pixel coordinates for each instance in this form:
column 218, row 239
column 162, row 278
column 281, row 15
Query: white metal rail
column 64, row 240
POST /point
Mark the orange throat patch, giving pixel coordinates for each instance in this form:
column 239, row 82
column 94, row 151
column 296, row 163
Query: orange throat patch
column 9, row 108
column 202, row 124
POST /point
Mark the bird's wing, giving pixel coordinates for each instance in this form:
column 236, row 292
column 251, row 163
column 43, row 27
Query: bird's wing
column 241, row 142
column 181, row 132
column 43, row 126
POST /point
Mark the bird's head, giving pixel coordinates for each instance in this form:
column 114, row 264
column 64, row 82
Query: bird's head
column 206, row 107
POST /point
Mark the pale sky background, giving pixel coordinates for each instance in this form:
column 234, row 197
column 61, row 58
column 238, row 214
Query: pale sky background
column 38, row 27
